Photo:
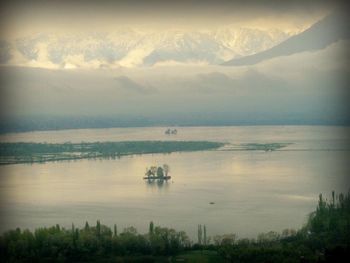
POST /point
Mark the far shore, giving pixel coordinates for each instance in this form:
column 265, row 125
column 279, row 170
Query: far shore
column 21, row 152
column 24, row 152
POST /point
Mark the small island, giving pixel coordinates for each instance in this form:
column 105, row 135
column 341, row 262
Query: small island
column 157, row 173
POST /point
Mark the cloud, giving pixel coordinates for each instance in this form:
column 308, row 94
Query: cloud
column 92, row 14
column 213, row 82
column 5, row 53
column 304, row 87
column 335, row 57
column 128, row 85
column 135, row 57
column 247, row 83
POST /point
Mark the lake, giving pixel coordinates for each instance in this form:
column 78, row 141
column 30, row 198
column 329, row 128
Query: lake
column 252, row 191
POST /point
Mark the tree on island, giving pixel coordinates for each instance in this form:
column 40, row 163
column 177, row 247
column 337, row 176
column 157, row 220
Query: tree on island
column 166, row 169
column 157, row 172
column 160, row 172
column 151, row 171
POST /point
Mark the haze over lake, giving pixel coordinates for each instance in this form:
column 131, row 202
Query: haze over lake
column 252, row 191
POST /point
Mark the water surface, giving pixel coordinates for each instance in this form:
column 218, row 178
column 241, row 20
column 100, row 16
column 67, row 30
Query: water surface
column 252, row 191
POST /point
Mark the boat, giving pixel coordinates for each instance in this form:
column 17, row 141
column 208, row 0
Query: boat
column 171, row 132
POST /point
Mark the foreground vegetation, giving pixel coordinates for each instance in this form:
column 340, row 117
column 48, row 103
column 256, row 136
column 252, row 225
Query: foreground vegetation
column 324, row 238
column 11, row 153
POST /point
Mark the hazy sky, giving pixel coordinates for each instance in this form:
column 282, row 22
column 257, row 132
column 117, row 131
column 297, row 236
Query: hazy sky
column 19, row 17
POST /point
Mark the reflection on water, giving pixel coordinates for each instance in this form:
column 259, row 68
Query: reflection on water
column 251, row 192
column 157, row 183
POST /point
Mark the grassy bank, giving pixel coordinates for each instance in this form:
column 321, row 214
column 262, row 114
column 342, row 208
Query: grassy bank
column 12, row 153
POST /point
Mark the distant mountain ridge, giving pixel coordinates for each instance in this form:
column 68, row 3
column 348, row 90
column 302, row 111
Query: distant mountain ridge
column 332, row 28
column 129, row 47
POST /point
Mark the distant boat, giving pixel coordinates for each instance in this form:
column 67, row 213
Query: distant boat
column 169, row 132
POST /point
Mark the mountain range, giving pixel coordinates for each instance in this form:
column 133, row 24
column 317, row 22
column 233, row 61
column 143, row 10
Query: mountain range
column 130, row 47
column 329, row 30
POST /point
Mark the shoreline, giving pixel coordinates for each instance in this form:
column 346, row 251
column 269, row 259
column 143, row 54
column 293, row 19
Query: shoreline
column 20, row 153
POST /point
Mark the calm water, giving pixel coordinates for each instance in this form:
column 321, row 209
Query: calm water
column 253, row 192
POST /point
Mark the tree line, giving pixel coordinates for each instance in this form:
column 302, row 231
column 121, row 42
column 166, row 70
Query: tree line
column 324, row 238
column 90, row 243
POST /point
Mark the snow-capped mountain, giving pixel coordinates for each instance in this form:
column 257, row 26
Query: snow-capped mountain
column 328, row 30
column 129, row 47
column 247, row 41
